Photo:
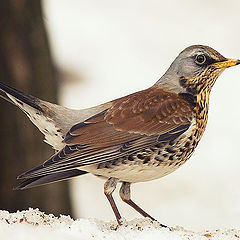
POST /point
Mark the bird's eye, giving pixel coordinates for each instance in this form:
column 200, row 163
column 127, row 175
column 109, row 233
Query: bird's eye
column 200, row 59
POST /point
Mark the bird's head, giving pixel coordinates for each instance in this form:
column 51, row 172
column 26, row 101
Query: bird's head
column 196, row 68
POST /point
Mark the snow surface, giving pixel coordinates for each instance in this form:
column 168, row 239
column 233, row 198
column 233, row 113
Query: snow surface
column 34, row 224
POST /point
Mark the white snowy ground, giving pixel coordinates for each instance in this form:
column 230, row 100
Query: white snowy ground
column 34, row 224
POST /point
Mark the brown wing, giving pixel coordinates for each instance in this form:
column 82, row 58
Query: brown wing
column 149, row 112
column 131, row 124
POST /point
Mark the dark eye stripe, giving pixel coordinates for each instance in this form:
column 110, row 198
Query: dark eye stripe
column 211, row 61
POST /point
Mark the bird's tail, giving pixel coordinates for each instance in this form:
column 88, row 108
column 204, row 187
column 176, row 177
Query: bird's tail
column 36, row 181
column 49, row 118
column 17, row 97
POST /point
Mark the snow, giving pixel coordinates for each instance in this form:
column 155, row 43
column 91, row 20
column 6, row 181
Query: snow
column 34, row 224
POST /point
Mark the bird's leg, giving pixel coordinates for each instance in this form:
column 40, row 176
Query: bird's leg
column 125, row 194
column 109, row 187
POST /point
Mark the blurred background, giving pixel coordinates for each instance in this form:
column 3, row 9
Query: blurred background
column 101, row 50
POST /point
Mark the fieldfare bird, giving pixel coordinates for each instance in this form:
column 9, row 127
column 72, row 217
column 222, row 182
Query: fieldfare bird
column 139, row 137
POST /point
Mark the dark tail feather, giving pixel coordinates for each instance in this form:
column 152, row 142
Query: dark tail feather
column 36, row 181
column 19, row 96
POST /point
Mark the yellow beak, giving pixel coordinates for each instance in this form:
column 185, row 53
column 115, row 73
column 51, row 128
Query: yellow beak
column 228, row 63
